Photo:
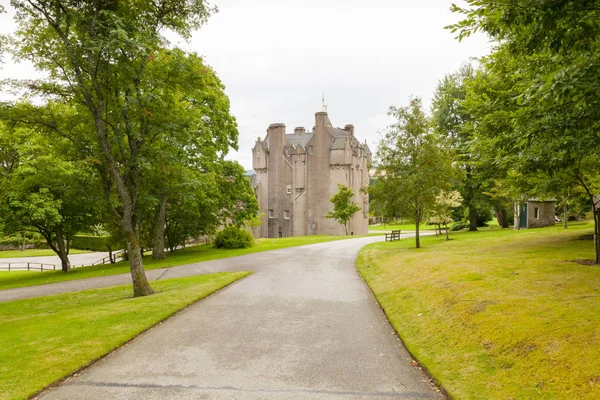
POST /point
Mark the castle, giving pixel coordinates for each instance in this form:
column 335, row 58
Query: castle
column 297, row 173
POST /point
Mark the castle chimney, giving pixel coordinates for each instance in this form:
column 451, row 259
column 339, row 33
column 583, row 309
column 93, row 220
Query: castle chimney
column 349, row 128
column 276, row 134
column 299, row 129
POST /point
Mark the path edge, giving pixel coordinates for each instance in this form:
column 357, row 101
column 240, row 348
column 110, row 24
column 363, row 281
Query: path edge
column 62, row 380
column 432, row 380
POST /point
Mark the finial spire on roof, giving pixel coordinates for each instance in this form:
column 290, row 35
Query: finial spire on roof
column 323, row 101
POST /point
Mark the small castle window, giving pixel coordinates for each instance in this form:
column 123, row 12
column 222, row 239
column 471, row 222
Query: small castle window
column 289, row 189
column 536, row 213
column 310, row 150
column 286, row 214
column 271, row 215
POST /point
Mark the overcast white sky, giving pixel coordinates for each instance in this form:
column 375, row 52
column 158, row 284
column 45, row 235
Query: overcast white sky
column 277, row 57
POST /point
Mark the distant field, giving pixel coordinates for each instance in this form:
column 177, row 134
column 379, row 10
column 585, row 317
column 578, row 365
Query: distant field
column 47, row 338
column 33, row 253
column 188, row 255
column 496, row 314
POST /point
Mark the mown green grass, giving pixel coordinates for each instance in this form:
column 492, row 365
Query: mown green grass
column 188, row 255
column 499, row 314
column 34, row 253
column 47, row 338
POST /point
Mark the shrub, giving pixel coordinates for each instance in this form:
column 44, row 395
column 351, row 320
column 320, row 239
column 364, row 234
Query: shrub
column 95, row 243
column 459, row 226
column 16, row 241
column 233, row 237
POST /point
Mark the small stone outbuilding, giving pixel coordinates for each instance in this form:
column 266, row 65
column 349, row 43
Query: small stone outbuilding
column 536, row 213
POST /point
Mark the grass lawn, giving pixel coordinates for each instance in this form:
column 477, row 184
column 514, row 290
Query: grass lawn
column 47, row 338
column 189, row 255
column 497, row 314
column 34, row 253
column 403, row 227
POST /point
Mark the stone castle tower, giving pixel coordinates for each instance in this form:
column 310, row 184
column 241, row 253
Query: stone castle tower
column 297, row 173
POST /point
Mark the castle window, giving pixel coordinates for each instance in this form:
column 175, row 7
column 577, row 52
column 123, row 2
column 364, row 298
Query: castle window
column 271, row 215
column 289, row 189
column 536, row 213
column 310, row 150
column 286, row 214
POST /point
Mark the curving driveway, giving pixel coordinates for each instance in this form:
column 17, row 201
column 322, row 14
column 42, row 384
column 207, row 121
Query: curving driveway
column 303, row 326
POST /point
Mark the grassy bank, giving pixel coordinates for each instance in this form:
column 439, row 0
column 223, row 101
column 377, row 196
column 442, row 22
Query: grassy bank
column 500, row 314
column 189, row 255
column 47, row 338
column 33, row 253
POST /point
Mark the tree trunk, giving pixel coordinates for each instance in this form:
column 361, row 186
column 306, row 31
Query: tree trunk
column 110, row 255
column 158, row 241
column 472, row 218
column 596, row 213
column 417, row 222
column 565, row 213
column 141, row 287
column 65, row 263
column 517, row 220
column 501, row 216
column 23, row 243
column 63, row 252
column 447, row 235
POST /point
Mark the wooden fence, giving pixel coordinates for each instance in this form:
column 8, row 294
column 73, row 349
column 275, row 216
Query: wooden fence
column 33, row 266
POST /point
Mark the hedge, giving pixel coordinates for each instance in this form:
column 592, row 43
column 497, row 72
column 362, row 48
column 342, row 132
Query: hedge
column 94, row 243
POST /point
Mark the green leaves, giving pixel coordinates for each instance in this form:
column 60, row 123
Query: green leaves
column 343, row 206
column 413, row 165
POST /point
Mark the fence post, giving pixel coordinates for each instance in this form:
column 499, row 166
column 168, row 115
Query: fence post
column 55, row 267
column 9, row 266
column 27, row 266
column 42, row 267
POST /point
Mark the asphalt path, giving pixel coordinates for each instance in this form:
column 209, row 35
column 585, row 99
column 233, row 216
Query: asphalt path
column 303, row 326
column 77, row 260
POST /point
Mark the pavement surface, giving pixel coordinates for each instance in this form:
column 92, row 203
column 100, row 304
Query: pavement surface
column 77, row 260
column 303, row 326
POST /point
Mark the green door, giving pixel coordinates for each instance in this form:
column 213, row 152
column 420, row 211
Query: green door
column 523, row 217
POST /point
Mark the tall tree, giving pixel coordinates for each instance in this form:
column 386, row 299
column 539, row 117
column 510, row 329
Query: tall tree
column 110, row 59
column 553, row 49
column 343, row 206
column 454, row 121
column 48, row 193
column 413, row 163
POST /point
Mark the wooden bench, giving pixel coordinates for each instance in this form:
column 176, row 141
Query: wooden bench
column 394, row 235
